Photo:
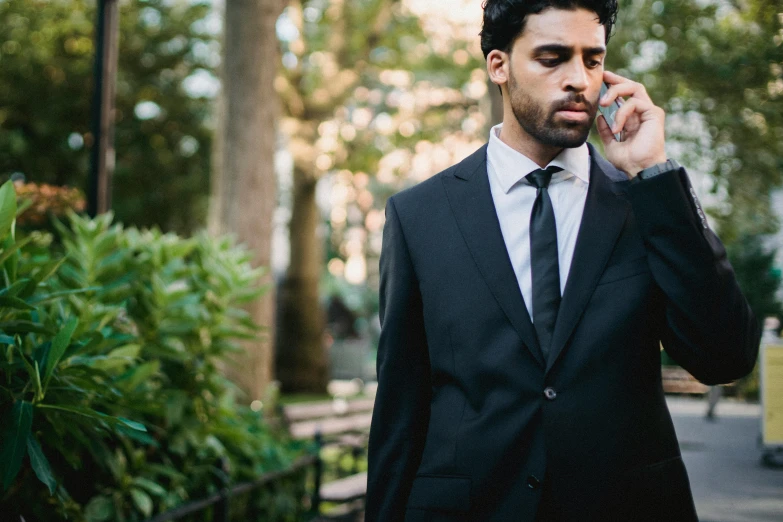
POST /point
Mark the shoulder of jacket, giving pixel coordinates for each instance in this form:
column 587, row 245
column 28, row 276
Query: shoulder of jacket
column 431, row 190
column 424, row 190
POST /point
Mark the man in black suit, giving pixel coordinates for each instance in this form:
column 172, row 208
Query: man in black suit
column 525, row 293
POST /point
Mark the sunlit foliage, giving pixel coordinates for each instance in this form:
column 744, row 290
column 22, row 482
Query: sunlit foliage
column 165, row 85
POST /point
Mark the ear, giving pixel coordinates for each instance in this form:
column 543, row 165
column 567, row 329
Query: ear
column 498, row 67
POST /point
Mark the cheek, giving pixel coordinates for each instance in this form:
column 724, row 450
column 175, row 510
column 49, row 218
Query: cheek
column 526, row 81
column 596, row 79
column 540, row 93
column 527, row 73
column 593, row 98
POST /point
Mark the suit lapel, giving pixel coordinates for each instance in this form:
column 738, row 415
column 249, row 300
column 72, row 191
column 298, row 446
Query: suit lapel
column 602, row 221
column 471, row 203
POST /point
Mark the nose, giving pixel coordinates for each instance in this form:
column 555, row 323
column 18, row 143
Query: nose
column 575, row 76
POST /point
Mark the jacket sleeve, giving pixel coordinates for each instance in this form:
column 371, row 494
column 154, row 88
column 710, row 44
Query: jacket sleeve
column 710, row 329
column 401, row 413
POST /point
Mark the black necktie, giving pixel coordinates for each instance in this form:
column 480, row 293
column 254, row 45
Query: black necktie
column 544, row 267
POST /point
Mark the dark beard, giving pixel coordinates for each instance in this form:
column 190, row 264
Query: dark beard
column 542, row 127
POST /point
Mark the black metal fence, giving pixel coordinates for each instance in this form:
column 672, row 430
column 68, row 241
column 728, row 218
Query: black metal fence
column 217, row 507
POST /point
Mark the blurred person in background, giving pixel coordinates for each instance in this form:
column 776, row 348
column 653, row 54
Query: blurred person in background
column 713, row 396
column 524, row 293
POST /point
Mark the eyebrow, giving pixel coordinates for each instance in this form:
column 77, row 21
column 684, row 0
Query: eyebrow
column 564, row 49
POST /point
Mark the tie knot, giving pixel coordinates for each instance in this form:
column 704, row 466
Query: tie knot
column 540, row 178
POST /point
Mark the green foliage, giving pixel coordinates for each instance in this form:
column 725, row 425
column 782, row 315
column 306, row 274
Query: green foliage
column 754, row 265
column 17, row 430
column 46, row 59
column 717, row 68
column 749, row 387
column 111, row 395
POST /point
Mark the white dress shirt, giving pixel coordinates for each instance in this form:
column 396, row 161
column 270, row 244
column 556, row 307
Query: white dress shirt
column 514, row 197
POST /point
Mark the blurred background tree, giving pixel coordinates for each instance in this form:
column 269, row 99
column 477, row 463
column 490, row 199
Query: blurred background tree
column 368, row 101
column 754, row 264
column 168, row 53
column 243, row 197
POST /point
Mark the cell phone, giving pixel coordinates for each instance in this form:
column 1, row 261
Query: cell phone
column 609, row 112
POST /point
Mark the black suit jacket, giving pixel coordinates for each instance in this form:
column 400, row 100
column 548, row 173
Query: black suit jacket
column 471, row 423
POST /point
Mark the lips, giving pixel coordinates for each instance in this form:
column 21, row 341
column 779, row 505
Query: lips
column 574, row 111
column 575, row 115
column 574, row 107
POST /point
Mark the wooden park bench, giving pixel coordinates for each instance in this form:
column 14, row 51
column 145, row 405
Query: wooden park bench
column 678, row 380
column 329, row 418
column 339, row 424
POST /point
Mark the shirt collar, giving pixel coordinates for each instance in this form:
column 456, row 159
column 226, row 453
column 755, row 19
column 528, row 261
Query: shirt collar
column 511, row 166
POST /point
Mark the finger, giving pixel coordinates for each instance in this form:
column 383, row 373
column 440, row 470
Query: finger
column 634, row 111
column 628, row 89
column 614, row 92
column 633, row 123
column 613, row 78
column 629, row 108
column 607, row 137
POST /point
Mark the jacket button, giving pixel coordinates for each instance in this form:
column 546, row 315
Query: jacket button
column 533, row 482
column 550, row 393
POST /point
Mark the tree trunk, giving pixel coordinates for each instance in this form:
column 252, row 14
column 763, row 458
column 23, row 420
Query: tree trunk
column 302, row 362
column 301, row 359
column 244, row 184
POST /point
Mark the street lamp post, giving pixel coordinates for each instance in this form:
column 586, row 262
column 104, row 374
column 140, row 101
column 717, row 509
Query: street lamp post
column 105, row 78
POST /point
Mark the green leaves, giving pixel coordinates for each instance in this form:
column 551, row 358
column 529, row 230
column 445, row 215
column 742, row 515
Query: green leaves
column 14, row 302
column 119, row 358
column 7, row 208
column 123, row 332
column 138, row 375
column 59, row 344
column 17, row 441
column 9, row 258
column 17, row 424
column 31, row 128
column 23, row 326
column 90, row 413
column 99, row 509
column 152, row 487
column 10, row 248
column 142, row 500
column 40, row 465
column 16, row 288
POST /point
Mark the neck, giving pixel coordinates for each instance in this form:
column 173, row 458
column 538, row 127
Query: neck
column 513, row 135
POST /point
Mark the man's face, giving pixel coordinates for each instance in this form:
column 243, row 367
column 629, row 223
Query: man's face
column 555, row 74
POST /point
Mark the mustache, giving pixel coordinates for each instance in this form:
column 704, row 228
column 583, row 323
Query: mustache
column 578, row 99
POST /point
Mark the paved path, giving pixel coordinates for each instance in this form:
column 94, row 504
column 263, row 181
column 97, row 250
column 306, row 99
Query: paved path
column 723, row 460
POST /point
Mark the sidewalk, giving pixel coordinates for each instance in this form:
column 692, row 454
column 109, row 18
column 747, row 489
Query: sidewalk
column 727, row 407
column 724, row 462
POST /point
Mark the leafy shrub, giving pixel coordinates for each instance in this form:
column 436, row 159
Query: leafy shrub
column 111, row 393
column 748, row 388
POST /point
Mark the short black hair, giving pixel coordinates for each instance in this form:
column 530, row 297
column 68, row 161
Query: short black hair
column 504, row 20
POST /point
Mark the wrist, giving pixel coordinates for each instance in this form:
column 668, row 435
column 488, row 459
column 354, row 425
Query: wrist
column 633, row 170
column 658, row 168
